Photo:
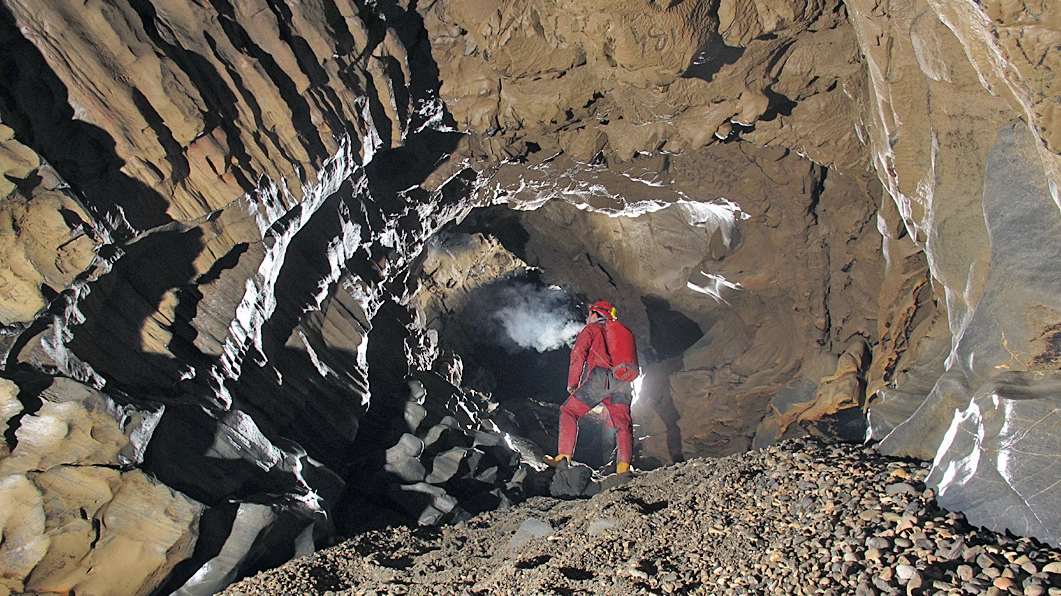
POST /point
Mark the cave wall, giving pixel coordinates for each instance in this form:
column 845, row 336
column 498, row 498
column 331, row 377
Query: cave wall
column 964, row 103
column 205, row 209
column 208, row 207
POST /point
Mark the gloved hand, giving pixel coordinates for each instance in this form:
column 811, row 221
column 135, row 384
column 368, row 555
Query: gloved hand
column 571, row 389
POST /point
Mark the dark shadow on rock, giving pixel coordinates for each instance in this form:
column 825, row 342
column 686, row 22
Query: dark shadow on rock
column 847, row 425
column 405, row 20
column 30, row 386
column 712, row 57
column 500, row 222
column 779, row 105
column 120, row 306
column 392, row 171
column 321, row 414
column 179, row 456
column 33, row 102
column 214, row 459
column 670, row 331
column 215, row 524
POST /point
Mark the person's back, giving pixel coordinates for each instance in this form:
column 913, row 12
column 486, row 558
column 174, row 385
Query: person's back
column 588, row 353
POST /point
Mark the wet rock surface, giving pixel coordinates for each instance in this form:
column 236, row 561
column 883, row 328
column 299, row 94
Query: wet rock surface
column 800, row 517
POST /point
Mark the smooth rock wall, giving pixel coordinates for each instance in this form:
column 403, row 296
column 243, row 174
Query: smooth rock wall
column 962, row 138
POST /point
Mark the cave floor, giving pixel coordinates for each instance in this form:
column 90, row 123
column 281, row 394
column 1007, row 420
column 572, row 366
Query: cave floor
column 801, row 517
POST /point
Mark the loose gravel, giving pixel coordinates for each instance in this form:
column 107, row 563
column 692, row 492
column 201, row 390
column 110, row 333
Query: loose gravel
column 801, row 517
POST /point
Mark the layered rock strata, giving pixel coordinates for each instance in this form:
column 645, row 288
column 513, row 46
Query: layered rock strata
column 230, row 194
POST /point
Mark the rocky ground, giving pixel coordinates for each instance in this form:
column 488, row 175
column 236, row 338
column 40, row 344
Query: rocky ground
column 797, row 518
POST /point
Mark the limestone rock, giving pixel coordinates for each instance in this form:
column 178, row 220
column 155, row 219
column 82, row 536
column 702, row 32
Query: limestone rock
column 77, row 522
column 455, row 267
column 657, row 72
column 991, row 479
column 147, row 529
column 9, row 407
column 25, row 541
column 76, row 425
column 46, row 237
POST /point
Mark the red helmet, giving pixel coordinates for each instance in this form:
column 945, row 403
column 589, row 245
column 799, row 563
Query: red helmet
column 604, row 309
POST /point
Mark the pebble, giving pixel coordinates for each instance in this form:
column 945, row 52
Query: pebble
column 1003, row 583
column 900, row 488
column 877, row 542
column 905, row 572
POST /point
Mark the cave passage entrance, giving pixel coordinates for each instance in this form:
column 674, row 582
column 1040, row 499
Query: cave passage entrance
column 523, row 330
column 522, row 333
column 512, row 325
column 507, row 290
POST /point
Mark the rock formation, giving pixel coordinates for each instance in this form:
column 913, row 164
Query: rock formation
column 247, row 251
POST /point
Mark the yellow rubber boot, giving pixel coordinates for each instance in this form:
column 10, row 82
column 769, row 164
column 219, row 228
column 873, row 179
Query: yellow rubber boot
column 555, row 461
column 622, row 467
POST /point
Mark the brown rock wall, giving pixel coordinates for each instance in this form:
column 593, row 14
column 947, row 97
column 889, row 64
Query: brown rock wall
column 179, row 225
column 46, row 238
column 73, row 519
column 230, row 92
column 638, row 77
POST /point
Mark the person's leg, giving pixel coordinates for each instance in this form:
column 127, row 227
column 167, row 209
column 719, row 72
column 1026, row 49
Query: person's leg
column 571, row 411
column 624, row 432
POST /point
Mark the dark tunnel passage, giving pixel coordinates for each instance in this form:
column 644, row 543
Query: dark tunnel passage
column 508, row 334
column 507, row 328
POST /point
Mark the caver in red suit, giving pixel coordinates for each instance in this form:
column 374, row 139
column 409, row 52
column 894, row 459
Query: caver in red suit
column 590, row 382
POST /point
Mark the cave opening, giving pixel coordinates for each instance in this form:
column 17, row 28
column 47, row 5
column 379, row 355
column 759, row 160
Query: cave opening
column 514, row 337
column 512, row 322
column 499, row 310
column 511, row 311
